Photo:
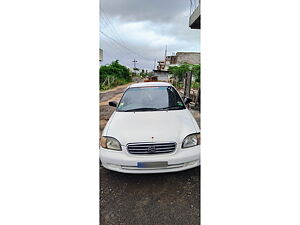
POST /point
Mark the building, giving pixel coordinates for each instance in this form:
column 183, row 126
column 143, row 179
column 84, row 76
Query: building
column 179, row 59
column 161, row 71
column 162, row 68
column 195, row 14
column 162, row 75
column 185, row 57
column 161, row 65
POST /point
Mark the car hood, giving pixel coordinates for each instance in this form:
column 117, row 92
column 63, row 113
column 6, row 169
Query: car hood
column 155, row 126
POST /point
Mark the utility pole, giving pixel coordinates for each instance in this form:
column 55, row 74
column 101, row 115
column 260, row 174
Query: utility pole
column 165, row 56
column 134, row 67
column 134, row 61
column 166, row 51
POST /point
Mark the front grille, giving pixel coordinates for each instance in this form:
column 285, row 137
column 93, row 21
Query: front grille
column 151, row 148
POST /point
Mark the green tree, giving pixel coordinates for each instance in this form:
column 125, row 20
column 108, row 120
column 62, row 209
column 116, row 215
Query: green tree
column 143, row 74
column 196, row 72
column 179, row 71
column 113, row 74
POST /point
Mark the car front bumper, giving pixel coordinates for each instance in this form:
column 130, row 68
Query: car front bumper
column 122, row 161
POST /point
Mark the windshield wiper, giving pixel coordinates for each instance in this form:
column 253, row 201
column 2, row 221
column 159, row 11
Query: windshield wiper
column 141, row 109
column 172, row 107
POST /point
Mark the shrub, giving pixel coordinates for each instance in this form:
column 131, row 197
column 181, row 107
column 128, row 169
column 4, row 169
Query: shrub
column 113, row 75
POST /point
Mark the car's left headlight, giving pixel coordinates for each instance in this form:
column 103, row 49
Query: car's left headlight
column 110, row 143
column 191, row 140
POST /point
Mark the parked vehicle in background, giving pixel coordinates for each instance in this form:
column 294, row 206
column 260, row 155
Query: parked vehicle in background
column 151, row 131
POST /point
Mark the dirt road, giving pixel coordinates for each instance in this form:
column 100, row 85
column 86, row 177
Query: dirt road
column 164, row 199
column 105, row 110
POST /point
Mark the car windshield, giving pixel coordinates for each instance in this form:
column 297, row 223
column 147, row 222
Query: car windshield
column 150, row 99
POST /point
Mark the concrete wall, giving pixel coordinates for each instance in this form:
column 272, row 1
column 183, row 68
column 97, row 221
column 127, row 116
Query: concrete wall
column 161, row 75
column 188, row 57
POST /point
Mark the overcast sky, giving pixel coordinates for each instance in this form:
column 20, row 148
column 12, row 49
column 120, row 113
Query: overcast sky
column 141, row 29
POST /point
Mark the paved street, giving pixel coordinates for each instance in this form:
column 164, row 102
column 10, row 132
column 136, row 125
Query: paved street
column 164, row 199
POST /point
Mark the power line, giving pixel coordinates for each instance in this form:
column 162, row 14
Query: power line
column 117, row 40
column 133, row 52
column 112, row 49
column 111, row 26
column 112, row 30
column 118, row 45
column 113, row 44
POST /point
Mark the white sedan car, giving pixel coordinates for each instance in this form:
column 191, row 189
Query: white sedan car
column 151, row 131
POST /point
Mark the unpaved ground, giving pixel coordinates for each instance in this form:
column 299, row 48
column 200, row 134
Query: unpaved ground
column 164, row 199
column 152, row 199
column 106, row 110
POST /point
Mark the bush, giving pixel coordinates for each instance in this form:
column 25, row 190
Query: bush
column 179, row 71
column 195, row 85
column 113, row 75
column 196, row 71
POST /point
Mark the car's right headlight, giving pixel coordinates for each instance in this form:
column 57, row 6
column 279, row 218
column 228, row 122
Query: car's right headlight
column 191, row 140
column 110, row 143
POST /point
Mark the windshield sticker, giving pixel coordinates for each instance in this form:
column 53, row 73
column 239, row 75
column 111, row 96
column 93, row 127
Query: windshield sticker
column 179, row 104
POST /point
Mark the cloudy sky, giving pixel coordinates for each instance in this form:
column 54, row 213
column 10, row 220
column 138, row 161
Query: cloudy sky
column 141, row 29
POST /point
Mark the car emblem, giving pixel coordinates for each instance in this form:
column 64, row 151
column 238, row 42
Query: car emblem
column 151, row 149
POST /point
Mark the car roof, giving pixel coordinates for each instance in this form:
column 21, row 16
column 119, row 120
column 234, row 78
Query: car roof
column 149, row 84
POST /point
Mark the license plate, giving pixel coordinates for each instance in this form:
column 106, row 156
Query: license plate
column 151, row 164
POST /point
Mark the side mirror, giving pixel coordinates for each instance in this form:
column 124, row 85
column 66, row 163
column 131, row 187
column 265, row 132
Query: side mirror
column 187, row 100
column 113, row 104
